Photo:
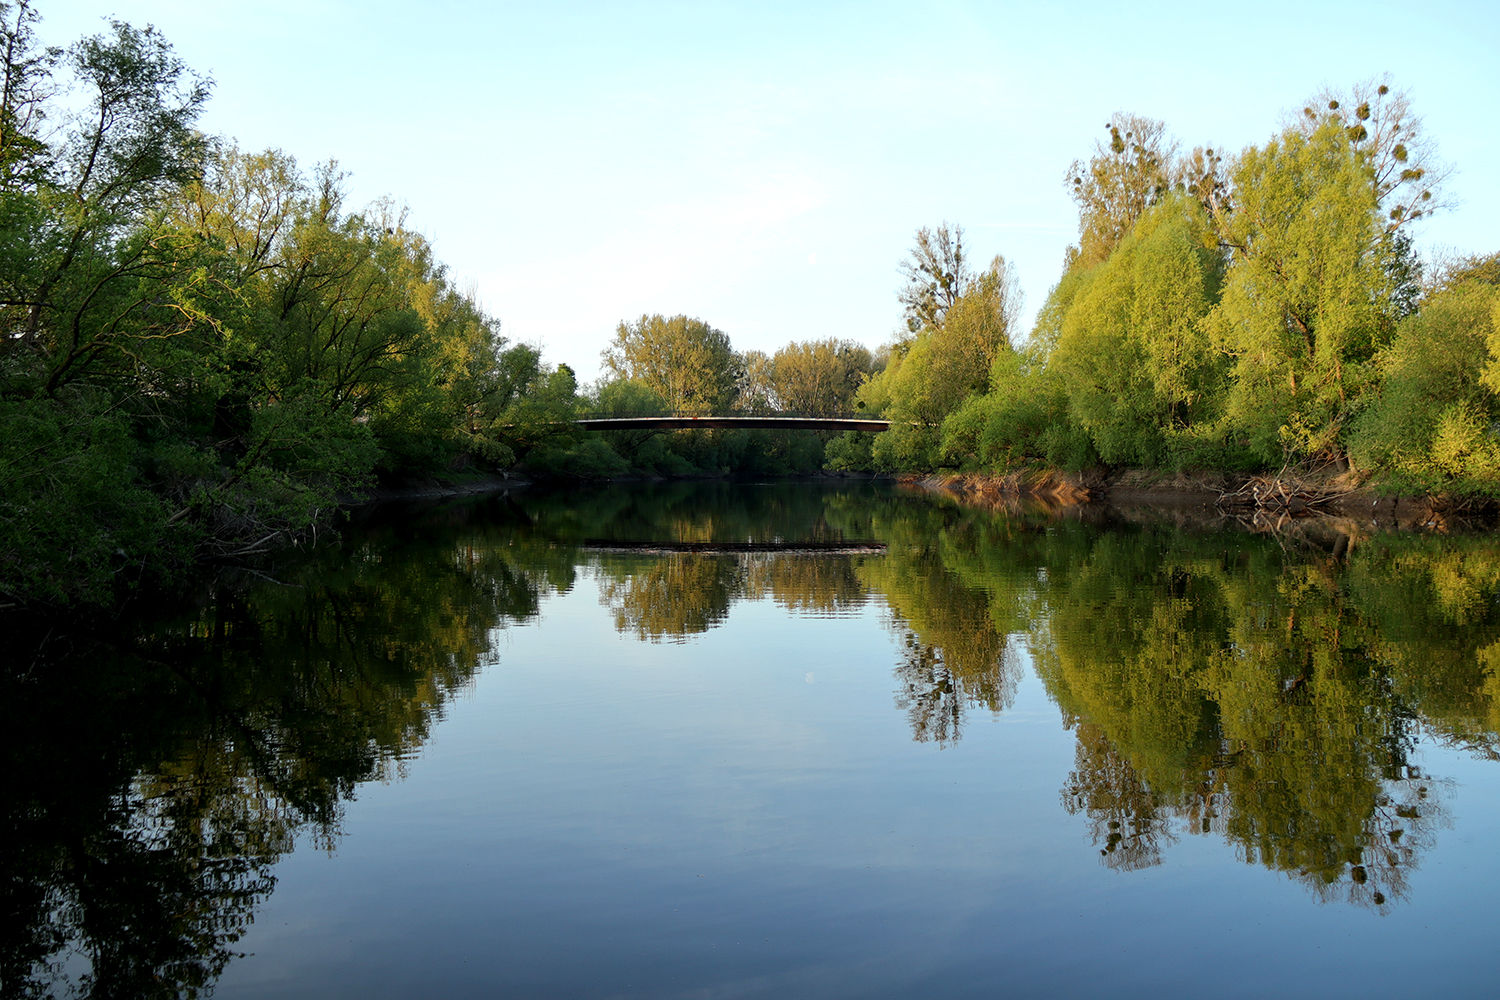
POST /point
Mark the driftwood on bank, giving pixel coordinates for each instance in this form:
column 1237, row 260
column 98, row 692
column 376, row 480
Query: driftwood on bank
column 1283, row 495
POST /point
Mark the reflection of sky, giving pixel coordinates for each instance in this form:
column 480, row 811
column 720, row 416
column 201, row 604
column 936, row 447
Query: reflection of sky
column 607, row 817
column 626, row 158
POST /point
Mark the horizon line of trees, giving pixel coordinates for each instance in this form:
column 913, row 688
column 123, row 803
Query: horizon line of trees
column 206, row 350
column 1225, row 311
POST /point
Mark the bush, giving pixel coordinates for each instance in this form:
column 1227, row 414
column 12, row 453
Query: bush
column 1430, row 425
column 74, row 519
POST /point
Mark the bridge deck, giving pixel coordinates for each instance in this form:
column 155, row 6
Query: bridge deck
column 724, row 423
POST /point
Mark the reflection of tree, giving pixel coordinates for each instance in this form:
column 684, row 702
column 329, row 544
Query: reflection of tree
column 1265, row 689
column 809, row 584
column 952, row 656
column 127, row 846
column 1128, row 823
column 932, row 695
column 1224, row 685
column 671, row 596
column 679, row 595
column 152, row 782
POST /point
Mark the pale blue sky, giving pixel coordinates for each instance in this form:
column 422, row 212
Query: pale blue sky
column 764, row 165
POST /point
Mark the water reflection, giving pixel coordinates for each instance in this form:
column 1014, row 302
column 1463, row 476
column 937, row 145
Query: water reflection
column 1268, row 688
column 154, row 777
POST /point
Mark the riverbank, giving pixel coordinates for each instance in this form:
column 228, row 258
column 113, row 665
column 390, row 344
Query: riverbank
column 431, row 487
column 474, row 484
column 1331, row 492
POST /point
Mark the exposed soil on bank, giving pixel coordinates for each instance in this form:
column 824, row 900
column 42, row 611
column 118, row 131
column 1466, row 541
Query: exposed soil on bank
column 1331, row 493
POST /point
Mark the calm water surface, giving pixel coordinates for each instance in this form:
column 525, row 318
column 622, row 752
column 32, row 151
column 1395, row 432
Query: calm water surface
column 524, row 747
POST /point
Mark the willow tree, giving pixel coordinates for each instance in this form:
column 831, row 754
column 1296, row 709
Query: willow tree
column 945, row 365
column 1308, row 297
column 1132, row 352
column 1429, row 425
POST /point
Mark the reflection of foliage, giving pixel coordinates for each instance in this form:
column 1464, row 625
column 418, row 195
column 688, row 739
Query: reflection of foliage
column 671, row 596
column 674, row 596
column 953, row 655
column 822, row 585
column 1124, row 813
column 151, row 876
column 1262, row 694
column 933, row 693
column 1268, row 690
column 679, row 595
column 152, row 783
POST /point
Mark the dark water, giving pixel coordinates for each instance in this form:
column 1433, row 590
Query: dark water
column 485, row 749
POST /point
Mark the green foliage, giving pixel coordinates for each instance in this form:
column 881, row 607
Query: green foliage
column 205, row 349
column 1138, row 368
column 1022, row 421
column 940, row 368
column 1430, row 423
column 818, row 377
column 906, row 447
column 1220, row 313
column 1306, row 303
column 74, row 516
column 685, row 361
column 851, row 451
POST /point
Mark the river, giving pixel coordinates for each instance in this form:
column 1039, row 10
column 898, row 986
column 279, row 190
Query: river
column 773, row 740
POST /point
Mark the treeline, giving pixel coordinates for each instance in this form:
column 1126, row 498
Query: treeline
column 206, row 349
column 1235, row 312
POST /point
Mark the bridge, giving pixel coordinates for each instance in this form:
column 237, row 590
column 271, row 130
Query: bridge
column 785, row 422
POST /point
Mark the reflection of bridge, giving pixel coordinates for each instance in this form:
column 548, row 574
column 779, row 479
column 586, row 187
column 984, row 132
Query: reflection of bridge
column 736, row 548
column 785, row 422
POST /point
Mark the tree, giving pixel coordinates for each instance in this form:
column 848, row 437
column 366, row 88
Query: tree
column 24, row 92
column 1137, row 365
column 941, row 367
column 1308, row 297
column 82, row 221
column 685, row 361
column 936, row 275
column 819, row 377
column 1429, row 424
column 1124, row 177
column 1405, row 172
column 87, row 294
column 981, row 323
column 757, row 392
